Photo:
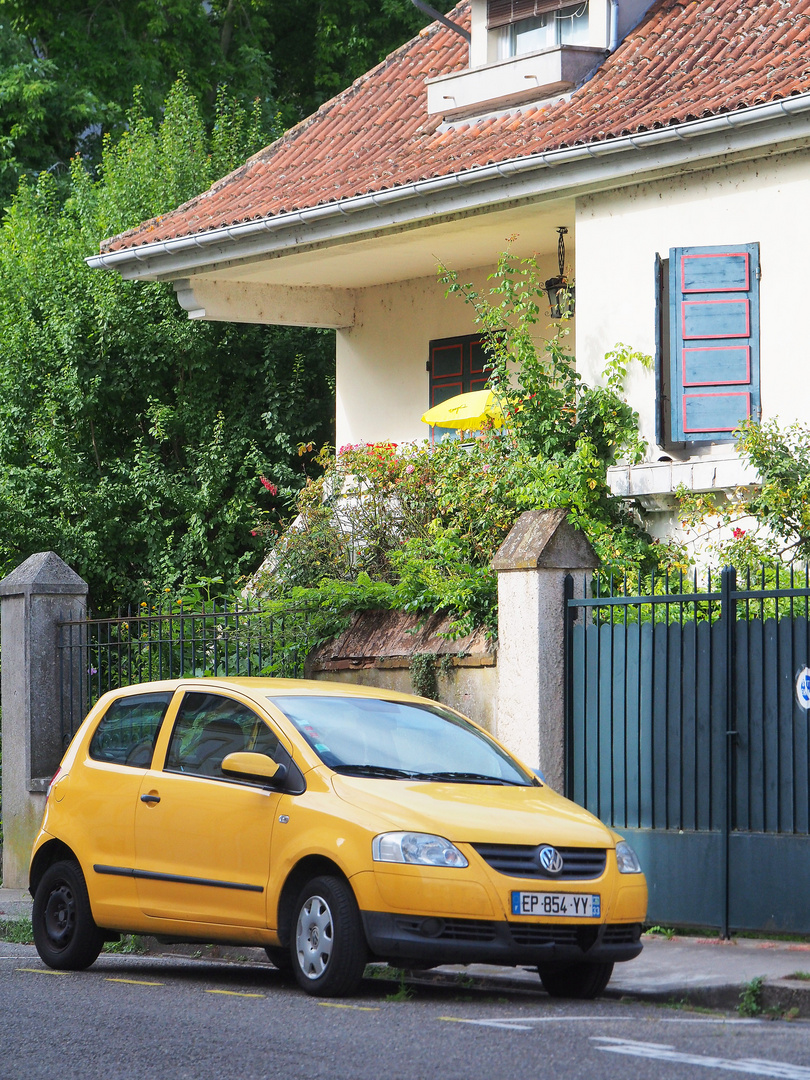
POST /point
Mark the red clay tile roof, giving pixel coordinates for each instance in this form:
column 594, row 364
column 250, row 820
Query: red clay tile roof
column 687, row 59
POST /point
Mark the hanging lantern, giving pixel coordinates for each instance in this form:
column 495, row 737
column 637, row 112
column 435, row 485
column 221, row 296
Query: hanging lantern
column 560, row 291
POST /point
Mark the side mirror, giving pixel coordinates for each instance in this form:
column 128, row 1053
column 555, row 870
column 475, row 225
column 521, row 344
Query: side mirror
column 245, row 765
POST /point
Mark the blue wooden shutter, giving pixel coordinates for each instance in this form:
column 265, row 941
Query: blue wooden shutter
column 714, row 340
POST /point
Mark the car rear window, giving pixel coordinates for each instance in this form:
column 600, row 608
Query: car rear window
column 127, row 732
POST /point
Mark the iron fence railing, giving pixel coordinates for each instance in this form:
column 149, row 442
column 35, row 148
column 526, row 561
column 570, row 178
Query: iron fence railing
column 97, row 655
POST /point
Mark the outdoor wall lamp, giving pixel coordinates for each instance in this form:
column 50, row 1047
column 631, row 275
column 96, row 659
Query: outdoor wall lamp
column 560, row 293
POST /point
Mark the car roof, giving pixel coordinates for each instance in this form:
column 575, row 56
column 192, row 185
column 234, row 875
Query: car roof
column 260, row 688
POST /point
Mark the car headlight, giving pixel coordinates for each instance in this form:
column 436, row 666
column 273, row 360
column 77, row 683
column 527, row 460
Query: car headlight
column 420, row 849
column 627, row 859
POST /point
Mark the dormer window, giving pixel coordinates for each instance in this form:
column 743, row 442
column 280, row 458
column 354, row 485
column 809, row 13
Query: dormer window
column 528, row 50
column 528, row 26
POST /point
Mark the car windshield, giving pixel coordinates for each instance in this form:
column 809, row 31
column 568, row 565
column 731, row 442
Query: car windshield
column 399, row 740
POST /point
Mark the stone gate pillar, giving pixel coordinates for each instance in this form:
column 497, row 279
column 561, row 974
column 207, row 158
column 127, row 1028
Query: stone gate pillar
column 38, row 595
column 532, row 564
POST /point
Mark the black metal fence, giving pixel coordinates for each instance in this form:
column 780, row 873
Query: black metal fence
column 687, row 733
column 96, row 655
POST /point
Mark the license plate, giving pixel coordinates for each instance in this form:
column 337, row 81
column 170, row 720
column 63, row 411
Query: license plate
column 568, row 905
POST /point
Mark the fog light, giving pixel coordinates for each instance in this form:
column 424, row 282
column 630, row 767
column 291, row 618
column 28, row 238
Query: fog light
column 432, row 928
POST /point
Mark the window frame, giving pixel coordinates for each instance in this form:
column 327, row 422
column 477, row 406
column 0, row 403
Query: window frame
column 281, row 755
column 133, row 700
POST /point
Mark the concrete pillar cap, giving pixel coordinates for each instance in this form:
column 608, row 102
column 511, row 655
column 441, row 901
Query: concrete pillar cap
column 545, row 540
column 43, row 574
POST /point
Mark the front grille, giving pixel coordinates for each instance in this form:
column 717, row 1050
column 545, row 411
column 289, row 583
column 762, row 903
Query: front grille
column 533, row 934
column 449, row 929
column 517, row 860
column 529, row 934
column 622, row 935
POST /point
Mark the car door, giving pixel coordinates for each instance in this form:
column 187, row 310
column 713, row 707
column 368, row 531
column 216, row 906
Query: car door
column 202, row 840
column 106, row 788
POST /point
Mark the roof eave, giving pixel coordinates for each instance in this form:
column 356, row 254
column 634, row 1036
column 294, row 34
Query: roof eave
column 571, row 170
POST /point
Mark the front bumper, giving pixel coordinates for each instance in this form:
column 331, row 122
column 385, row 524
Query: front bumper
column 431, row 940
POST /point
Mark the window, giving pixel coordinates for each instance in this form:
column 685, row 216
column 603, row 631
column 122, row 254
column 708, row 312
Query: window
column 456, row 366
column 128, row 730
column 708, row 350
column 209, row 727
column 526, row 26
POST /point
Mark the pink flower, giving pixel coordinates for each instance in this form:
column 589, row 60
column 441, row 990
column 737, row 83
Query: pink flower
column 409, row 468
column 738, row 534
column 270, row 487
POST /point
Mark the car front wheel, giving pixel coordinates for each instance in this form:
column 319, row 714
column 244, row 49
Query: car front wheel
column 65, row 933
column 583, row 981
column 328, row 947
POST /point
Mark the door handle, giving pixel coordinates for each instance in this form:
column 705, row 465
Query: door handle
column 150, row 798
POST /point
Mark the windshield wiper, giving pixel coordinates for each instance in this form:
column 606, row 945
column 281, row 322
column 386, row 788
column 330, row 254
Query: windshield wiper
column 469, row 778
column 381, row 771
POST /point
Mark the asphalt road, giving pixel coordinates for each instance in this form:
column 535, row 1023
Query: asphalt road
column 187, row 1019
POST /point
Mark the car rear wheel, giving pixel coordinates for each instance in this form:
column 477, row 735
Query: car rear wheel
column 65, row 933
column 583, row 981
column 328, row 948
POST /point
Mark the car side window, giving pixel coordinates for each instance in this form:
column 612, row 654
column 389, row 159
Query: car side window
column 128, row 730
column 209, row 727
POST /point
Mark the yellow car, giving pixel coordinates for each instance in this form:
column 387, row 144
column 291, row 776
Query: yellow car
column 331, row 825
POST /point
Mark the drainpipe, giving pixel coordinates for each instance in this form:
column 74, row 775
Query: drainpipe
column 434, row 14
column 614, row 25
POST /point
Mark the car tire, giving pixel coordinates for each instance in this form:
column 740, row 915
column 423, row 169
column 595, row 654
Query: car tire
column 65, row 932
column 328, row 948
column 583, row 981
column 280, row 958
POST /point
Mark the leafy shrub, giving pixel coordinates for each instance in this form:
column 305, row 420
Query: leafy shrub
column 426, row 521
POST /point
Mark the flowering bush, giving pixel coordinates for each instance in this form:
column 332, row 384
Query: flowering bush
column 428, row 520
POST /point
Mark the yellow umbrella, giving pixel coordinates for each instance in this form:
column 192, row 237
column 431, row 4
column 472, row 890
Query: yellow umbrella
column 468, row 411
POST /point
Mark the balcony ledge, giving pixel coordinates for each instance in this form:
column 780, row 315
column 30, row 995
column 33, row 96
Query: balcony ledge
column 513, row 82
column 653, row 484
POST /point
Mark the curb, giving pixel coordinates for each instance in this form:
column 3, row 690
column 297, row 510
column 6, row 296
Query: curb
column 775, row 1000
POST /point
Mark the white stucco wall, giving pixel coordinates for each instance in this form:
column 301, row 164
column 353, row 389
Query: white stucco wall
column 382, row 379
column 618, row 235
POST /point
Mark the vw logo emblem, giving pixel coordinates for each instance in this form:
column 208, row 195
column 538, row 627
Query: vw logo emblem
column 551, row 860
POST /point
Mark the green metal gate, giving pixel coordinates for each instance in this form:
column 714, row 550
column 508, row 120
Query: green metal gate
column 686, row 734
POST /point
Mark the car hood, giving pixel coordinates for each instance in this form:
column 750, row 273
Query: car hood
column 476, row 813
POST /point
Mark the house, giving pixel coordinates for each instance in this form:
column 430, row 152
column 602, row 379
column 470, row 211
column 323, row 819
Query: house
column 670, row 139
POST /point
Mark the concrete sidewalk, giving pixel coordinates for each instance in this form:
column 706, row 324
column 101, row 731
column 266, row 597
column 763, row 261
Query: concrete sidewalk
column 698, row 971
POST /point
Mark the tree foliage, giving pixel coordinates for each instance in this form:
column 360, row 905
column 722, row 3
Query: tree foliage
column 781, row 501
column 67, row 70
column 765, row 526
column 132, row 440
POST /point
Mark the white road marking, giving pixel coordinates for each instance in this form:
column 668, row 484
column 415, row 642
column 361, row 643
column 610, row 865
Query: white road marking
column 525, row 1023
column 506, row 1025
column 660, row 1052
